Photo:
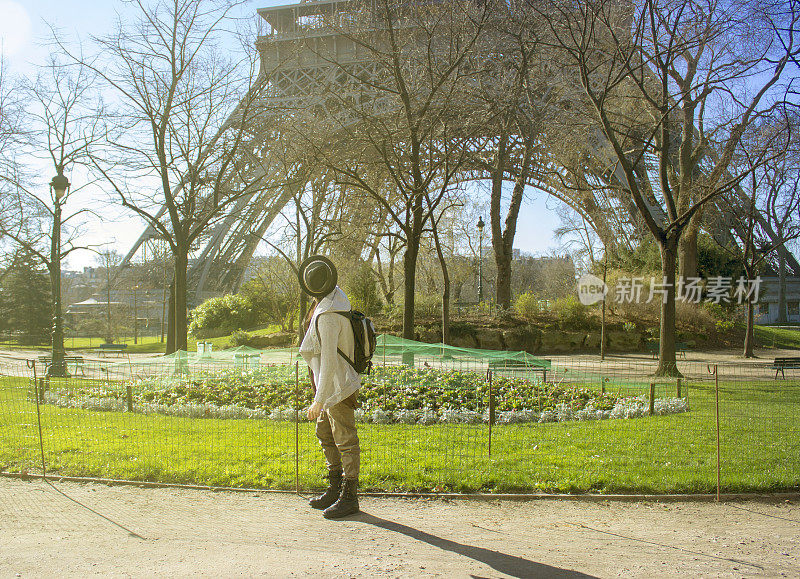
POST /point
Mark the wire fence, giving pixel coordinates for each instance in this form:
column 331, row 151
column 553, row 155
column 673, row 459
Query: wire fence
column 431, row 419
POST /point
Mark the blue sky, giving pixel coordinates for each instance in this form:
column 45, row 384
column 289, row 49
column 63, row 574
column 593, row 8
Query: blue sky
column 24, row 31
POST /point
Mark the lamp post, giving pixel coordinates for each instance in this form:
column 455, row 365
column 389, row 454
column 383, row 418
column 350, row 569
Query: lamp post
column 480, row 259
column 135, row 317
column 58, row 188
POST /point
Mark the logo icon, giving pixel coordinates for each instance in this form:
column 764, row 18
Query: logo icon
column 591, row 289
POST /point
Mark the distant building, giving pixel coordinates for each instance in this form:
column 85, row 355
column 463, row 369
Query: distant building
column 767, row 309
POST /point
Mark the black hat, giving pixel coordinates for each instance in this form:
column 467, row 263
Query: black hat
column 317, row 276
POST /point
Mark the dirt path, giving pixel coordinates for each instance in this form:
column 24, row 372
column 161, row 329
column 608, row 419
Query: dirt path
column 78, row 529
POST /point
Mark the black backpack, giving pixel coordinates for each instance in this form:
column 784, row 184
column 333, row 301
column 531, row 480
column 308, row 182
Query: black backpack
column 364, row 339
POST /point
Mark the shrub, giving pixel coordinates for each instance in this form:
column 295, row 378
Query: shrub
column 527, row 305
column 638, row 308
column 696, row 317
column 272, row 302
column 427, row 305
column 362, row 289
column 571, row 313
column 393, row 312
column 724, row 326
column 716, row 311
column 240, row 338
column 223, row 315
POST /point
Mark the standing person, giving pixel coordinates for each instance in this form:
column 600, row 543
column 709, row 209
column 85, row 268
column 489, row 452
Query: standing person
column 328, row 336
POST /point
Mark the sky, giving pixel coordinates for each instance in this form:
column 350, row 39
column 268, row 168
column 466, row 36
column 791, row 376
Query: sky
column 24, row 34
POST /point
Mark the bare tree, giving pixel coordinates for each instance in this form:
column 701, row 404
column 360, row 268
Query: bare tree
column 63, row 125
column 311, row 221
column 183, row 155
column 517, row 94
column 780, row 210
column 398, row 132
column 764, row 210
column 11, row 133
column 578, row 238
column 385, row 246
column 673, row 84
column 453, row 200
column 108, row 260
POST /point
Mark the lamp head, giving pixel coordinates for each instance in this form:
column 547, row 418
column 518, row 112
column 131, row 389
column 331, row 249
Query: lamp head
column 59, row 183
column 480, row 224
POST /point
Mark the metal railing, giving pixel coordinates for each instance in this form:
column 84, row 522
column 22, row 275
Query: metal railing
column 441, row 425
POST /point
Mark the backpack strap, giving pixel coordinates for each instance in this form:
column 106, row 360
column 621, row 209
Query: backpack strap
column 319, row 338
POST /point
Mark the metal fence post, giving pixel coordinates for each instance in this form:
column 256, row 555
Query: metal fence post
column 713, row 369
column 716, row 389
column 491, row 409
column 679, row 388
column 297, row 427
column 32, row 364
column 652, row 401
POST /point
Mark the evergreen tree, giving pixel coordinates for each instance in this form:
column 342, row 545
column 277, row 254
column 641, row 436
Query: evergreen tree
column 25, row 301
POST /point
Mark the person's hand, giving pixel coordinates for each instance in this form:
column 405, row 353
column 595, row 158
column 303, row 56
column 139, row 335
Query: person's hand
column 314, row 411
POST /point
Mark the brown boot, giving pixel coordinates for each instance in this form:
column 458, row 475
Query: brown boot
column 333, row 491
column 347, row 503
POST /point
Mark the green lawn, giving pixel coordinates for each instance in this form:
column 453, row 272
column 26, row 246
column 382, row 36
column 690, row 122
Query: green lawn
column 760, row 448
column 145, row 344
column 771, row 337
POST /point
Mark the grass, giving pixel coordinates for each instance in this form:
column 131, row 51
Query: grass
column 772, row 337
column 144, row 345
column 661, row 454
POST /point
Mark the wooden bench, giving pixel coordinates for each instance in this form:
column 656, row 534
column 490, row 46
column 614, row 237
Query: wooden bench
column 519, row 365
column 118, row 349
column 76, row 362
column 781, row 364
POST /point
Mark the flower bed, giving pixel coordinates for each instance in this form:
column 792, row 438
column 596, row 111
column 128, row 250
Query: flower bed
column 393, row 394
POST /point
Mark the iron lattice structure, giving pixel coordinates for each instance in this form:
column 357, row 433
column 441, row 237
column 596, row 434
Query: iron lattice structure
column 302, row 57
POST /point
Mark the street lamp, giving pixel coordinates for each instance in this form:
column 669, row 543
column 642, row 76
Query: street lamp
column 58, row 189
column 135, row 317
column 480, row 259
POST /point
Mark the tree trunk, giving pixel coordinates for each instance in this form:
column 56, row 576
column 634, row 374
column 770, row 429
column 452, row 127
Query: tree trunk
column 180, row 318
column 687, row 248
column 410, row 271
column 749, row 338
column 171, row 320
column 667, row 365
column 446, row 290
column 781, row 286
column 503, row 263
column 302, row 311
column 109, row 328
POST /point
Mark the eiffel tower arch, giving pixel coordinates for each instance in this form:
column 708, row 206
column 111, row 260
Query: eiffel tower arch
column 295, row 76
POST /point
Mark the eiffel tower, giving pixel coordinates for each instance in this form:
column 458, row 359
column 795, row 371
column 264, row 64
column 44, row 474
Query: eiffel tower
column 293, row 76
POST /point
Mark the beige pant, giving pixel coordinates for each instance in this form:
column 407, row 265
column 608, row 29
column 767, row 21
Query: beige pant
column 336, row 431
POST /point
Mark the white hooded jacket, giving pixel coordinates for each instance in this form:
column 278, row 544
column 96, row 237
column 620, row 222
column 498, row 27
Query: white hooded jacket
column 334, row 377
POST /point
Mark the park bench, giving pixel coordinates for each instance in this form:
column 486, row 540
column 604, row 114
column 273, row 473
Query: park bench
column 515, row 366
column 105, row 349
column 76, row 362
column 680, row 348
column 781, row 364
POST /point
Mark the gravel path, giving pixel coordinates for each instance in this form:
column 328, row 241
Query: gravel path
column 74, row 529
